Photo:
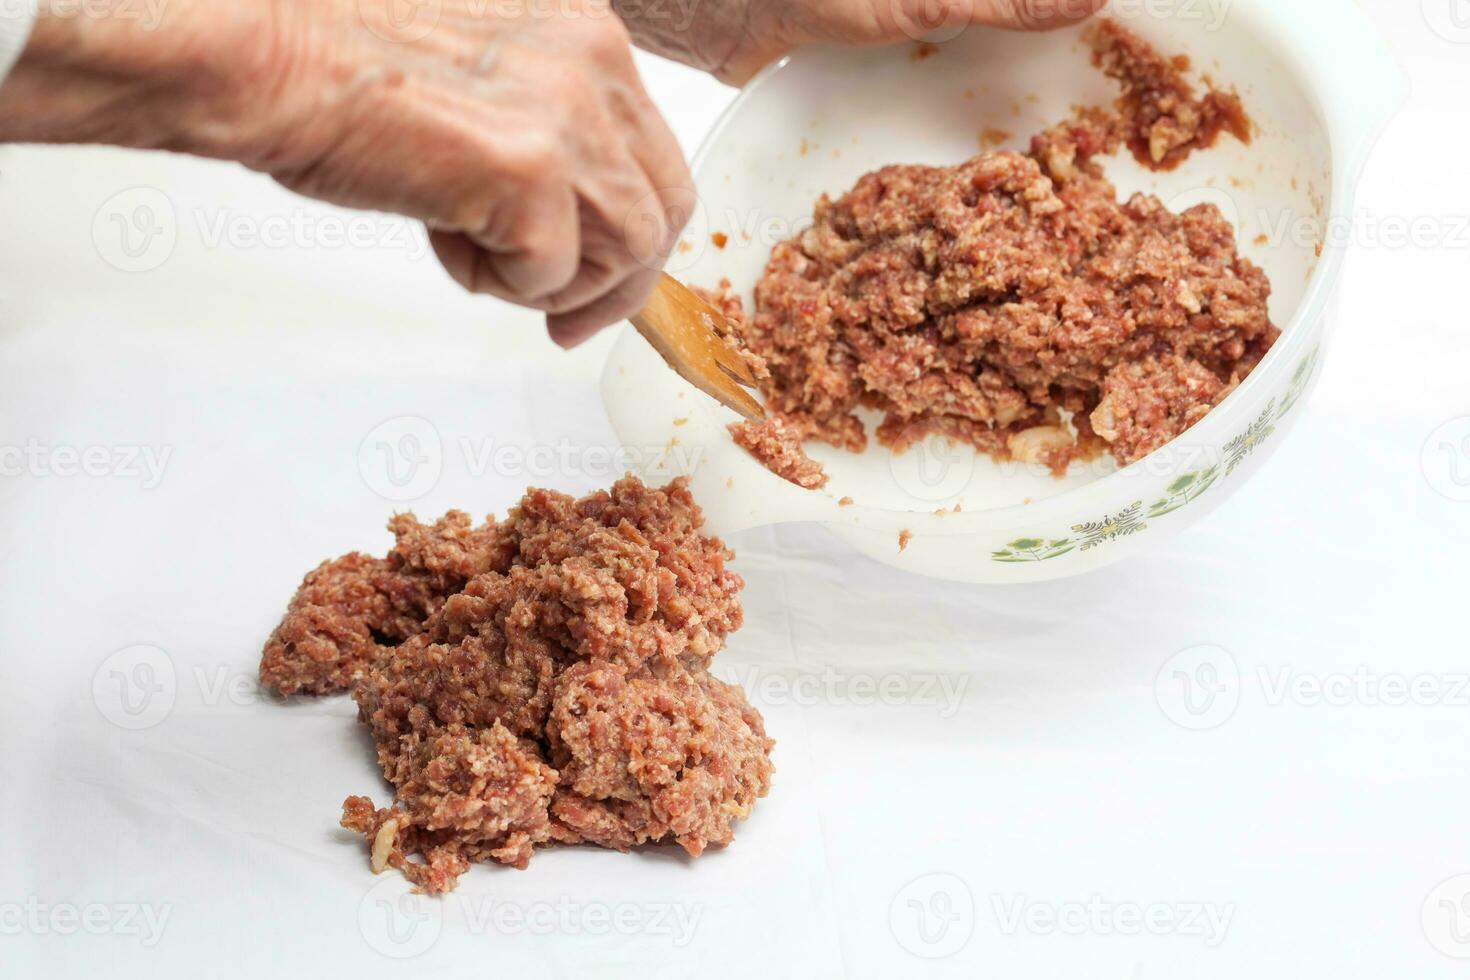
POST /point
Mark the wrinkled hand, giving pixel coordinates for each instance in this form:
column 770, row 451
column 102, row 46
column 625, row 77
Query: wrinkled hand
column 526, row 142
column 520, row 134
column 738, row 38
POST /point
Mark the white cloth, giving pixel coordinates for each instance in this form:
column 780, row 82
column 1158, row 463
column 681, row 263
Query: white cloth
column 16, row 18
column 204, row 379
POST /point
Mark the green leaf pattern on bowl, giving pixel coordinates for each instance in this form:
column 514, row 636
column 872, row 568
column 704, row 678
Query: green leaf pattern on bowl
column 1185, row 489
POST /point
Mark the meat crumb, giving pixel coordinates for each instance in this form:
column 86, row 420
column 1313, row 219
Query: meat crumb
column 542, row 679
column 990, row 138
column 844, row 502
column 778, row 447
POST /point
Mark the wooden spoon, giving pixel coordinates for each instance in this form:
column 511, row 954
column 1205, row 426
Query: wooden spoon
column 689, row 334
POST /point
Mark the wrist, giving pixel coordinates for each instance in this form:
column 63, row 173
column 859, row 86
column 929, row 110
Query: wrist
column 160, row 74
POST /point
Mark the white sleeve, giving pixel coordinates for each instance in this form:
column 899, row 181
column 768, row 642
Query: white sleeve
column 16, row 18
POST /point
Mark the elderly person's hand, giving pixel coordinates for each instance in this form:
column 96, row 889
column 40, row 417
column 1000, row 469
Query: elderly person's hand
column 519, row 133
column 526, row 143
column 735, row 39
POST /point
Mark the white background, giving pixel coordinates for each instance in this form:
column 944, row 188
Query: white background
column 1029, row 785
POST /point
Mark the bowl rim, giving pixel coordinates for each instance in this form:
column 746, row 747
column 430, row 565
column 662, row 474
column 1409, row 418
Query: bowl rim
column 1300, row 333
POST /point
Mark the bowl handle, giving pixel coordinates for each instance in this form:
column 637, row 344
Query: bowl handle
column 1362, row 83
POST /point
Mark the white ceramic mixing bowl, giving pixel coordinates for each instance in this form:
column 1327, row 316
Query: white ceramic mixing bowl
column 1318, row 85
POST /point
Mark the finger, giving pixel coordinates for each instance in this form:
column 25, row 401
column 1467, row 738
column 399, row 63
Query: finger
column 613, row 190
column 467, row 263
column 652, row 141
column 572, row 328
column 596, row 277
column 621, row 259
column 626, row 235
column 651, row 225
column 532, row 241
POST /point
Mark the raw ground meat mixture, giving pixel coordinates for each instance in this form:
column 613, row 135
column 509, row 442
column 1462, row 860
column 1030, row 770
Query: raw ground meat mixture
column 1012, row 302
column 778, row 446
column 541, row 679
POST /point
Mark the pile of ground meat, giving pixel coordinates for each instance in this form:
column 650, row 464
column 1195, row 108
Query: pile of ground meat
column 535, row 680
column 1012, row 302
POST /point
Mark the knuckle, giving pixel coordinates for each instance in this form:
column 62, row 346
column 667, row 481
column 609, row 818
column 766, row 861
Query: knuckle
column 568, row 88
column 565, row 300
column 527, row 237
column 603, row 40
column 535, row 156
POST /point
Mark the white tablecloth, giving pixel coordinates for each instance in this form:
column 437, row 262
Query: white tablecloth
column 971, row 782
